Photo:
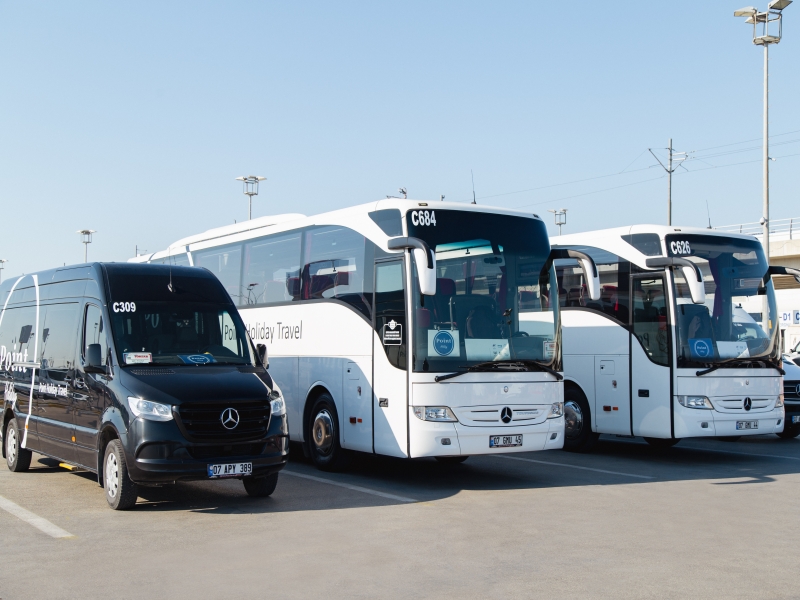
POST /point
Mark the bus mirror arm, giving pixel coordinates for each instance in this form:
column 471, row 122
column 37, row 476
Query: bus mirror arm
column 424, row 258
column 692, row 273
column 773, row 270
column 587, row 264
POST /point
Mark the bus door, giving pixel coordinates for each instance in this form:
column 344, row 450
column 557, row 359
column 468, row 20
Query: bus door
column 390, row 359
column 650, row 357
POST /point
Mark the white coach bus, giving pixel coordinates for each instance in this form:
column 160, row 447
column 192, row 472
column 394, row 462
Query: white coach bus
column 683, row 342
column 453, row 353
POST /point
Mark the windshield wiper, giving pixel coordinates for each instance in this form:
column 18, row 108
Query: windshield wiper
column 763, row 361
column 709, row 370
column 502, row 365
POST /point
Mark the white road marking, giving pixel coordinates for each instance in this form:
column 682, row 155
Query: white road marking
column 30, row 518
column 701, row 449
column 555, row 464
column 356, row 488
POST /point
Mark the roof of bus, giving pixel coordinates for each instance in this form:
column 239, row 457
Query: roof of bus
column 345, row 216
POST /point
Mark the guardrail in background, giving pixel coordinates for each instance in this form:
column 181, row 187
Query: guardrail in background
column 779, row 229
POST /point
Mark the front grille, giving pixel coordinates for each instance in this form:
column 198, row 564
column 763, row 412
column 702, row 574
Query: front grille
column 155, row 371
column 202, row 421
column 790, row 390
column 224, row 451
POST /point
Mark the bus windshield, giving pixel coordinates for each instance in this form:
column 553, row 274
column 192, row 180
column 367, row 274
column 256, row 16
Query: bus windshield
column 493, row 291
column 739, row 318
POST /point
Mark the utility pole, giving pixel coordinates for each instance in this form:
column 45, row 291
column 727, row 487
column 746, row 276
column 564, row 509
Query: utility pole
column 678, row 157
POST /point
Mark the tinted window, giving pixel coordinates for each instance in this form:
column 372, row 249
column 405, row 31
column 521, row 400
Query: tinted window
column 390, row 311
column 17, row 339
column 59, row 339
column 94, row 332
column 335, row 259
column 272, row 269
column 135, row 283
column 226, row 264
column 614, row 275
column 650, row 317
column 178, row 260
column 648, row 244
column 389, row 220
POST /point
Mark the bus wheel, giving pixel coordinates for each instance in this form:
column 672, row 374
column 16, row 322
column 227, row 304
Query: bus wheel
column 326, row 449
column 578, row 434
column 18, row 459
column 661, row 443
column 260, row 487
column 789, row 433
column 121, row 492
column 451, row 460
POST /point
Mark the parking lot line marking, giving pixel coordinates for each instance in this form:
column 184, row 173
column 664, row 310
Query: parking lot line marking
column 701, row 449
column 356, row 488
column 30, row 518
column 555, row 464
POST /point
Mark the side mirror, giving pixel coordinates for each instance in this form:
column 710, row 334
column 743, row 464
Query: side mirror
column 691, row 272
column 94, row 359
column 424, row 258
column 587, row 265
column 262, row 355
column 781, row 271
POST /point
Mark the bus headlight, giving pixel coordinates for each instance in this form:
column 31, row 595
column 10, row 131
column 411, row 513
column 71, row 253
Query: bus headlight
column 695, row 402
column 441, row 414
column 556, row 410
column 277, row 403
column 152, row 411
column 779, row 401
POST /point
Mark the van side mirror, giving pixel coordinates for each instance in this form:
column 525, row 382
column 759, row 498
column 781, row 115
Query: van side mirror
column 262, row 355
column 588, row 266
column 691, row 272
column 94, row 360
column 424, row 258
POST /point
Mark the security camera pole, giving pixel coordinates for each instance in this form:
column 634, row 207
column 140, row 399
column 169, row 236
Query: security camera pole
column 86, row 239
column 773, row 15
column 250, row 189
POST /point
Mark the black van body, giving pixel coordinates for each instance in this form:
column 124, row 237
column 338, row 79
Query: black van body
column 117, row 338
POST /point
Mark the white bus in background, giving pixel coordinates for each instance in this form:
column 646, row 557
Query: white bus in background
column 401, row 328
column 682, row 343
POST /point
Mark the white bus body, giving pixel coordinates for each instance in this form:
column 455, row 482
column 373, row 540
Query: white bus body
column 357, row 348
column 669, row 353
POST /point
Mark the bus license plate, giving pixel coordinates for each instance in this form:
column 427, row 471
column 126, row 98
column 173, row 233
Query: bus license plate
column 795, row 419
column 505, row 441
column 746, row 425
column 232, row 470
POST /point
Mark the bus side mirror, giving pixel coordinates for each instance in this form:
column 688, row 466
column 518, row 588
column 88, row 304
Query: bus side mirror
column 424, row 258
column 691, row 272
column 262, row 355
column 588, row 266
column 774, row 270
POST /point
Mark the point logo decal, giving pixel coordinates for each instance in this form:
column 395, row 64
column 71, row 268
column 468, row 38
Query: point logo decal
column 443, row 343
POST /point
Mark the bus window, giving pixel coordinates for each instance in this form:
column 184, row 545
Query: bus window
column 614, row 277
column 390, row 311
column 272, row 269
column 334, row 267
column 225, row 263
column 650, row 317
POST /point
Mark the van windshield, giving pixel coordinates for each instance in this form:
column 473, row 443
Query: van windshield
column 171, row 333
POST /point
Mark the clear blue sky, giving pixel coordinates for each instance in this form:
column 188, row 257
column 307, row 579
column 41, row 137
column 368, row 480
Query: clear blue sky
column 134, row 118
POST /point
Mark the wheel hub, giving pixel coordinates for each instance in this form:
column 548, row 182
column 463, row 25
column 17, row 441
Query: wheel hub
column 573, row 419
column 11, row 445
column 112, row 475
column 322, row 432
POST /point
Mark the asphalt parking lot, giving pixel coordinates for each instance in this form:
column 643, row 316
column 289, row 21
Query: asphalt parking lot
column 705, row 519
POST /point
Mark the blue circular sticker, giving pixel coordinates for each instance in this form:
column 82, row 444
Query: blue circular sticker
column 199, row 359
column 702, row 349
column 443, row 343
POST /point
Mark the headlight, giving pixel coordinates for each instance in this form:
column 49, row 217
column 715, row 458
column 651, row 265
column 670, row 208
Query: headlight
column 442, row 414
column 277, row 403
column 695, row 402
column 779, row 402
column 152, row 411
column 556, row 410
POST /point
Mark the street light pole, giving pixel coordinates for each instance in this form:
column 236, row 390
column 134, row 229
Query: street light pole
column 3, row 262
column 250, row 189
column 560, row 217
column 86, row 239
column 765, row 209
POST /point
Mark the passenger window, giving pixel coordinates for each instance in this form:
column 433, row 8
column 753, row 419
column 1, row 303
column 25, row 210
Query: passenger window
column 335, row 259
column 94, row 332
column 226, row 264
column 59, row 339
column 390, row 311
column 272, row 269
column 650, row 317
column 17, row 340
column 614, row 273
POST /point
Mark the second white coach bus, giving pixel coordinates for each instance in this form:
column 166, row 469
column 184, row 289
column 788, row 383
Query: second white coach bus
column 399, row 327
column 683, row 342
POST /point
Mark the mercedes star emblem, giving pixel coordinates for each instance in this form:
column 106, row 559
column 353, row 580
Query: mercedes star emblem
column 748, row 404
column 505, row 415
column 229, row 418
column 797, row 389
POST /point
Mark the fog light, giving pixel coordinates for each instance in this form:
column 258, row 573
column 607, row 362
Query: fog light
column 445, row 441
column 553, row 436
column 704, row 425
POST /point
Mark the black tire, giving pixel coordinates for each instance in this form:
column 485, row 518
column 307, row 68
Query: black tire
column 661, row 443
column 18, row 459
column 121, row 492
column 260, row 487
column 323, row 438
column 451, row 460
column 578, row 434
column 789, row 432
column 729, row 438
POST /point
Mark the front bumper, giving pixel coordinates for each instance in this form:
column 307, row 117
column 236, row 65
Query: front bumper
column 690, row 422
column 158, row 452
column 430, row 439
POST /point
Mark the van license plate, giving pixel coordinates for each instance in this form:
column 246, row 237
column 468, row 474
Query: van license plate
column 232, row 470
column 795, row 419
column 505, row 441
column 746, row 425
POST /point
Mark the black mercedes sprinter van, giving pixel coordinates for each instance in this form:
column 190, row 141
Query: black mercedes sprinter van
column 142, row 374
